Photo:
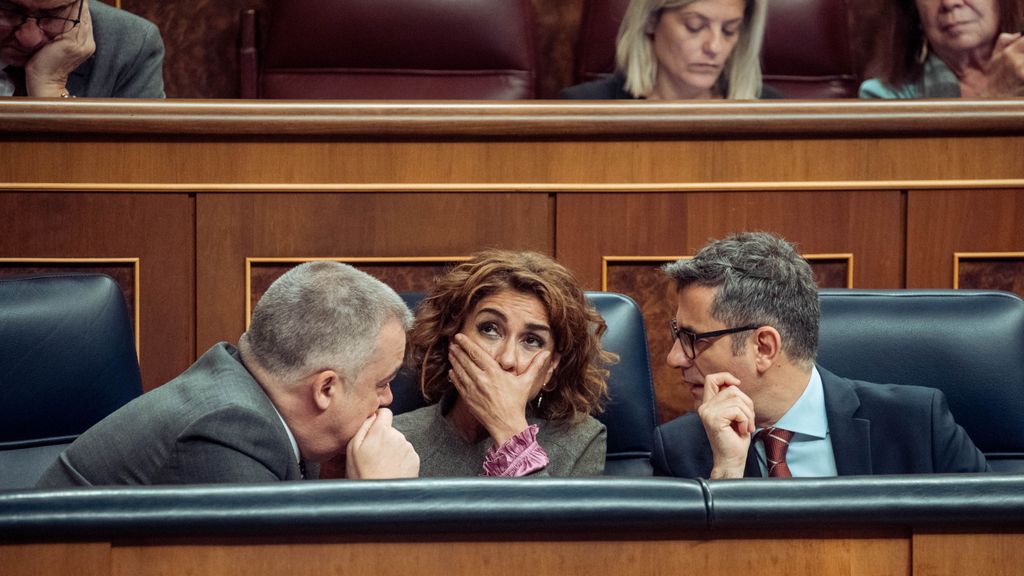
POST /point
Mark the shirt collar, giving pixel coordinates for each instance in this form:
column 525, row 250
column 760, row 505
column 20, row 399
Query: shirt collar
column 6, row 84
column 807, row 416
column 291, row 437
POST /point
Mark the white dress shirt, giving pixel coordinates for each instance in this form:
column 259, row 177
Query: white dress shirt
column 6, row 85
column 810, row 450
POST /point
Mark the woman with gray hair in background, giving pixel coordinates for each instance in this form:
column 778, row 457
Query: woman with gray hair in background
column 685, row 50
column 949, row 49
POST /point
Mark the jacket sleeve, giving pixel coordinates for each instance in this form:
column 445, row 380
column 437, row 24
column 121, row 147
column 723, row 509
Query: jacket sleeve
column 143, row 76
column 590, row 461
column 658, row 459
column 231, row 445
column 952, row 448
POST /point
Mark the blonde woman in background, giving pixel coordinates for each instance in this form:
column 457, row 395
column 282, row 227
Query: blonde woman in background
column 685, row 50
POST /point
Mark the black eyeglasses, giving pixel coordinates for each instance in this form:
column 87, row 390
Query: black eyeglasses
column 13, row 16
column 688, row 340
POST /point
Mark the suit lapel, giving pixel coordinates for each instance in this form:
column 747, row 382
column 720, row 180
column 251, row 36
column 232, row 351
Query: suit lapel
column 752, row 470
column 312, row 471
column 77, row 79
column 851, row 437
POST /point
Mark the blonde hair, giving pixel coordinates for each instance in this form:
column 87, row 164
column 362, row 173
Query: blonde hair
column 634, row 49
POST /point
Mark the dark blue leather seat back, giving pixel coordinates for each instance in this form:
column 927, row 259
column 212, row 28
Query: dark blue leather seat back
column 969, row 344
column 67, row 360
column 629, row 415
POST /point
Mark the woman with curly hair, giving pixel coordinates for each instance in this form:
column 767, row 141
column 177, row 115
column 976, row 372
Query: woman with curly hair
column 508, row 351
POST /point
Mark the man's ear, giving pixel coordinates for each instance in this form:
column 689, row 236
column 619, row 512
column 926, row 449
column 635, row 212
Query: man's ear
column 326, row 388
column 768, row 342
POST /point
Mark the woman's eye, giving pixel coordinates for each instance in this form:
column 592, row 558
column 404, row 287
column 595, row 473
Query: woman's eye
column 534, row 341
column 694, row 25
column 730, row 31
column 488, row 329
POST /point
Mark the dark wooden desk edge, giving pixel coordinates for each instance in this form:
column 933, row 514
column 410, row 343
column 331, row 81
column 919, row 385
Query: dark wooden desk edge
column 511, row 119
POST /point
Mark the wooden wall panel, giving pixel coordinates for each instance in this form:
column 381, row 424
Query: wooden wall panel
column 201, row 43
column 157, row 229
column 444, row 179
column 864, row 553
column 851, row 556
column 592, row 226
column 557, row 26
column 766, row 164
column 78, row 559
column 943, row 554
column 943, row 222
column 410, row 274
column 990, row 271
column 232, row 227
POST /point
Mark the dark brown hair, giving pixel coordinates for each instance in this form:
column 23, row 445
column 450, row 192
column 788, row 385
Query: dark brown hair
column 577, row 386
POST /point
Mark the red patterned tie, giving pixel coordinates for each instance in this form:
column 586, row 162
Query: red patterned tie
column 776, row 442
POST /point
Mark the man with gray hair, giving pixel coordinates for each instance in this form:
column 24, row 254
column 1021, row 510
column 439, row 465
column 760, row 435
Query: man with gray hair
column 309, row 380
column 745, row 337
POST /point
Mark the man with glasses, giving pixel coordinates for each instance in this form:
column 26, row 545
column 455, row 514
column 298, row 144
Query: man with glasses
column 66, row 48
column 745, row 337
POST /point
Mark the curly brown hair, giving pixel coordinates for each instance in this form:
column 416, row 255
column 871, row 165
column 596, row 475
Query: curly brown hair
column 578, row 386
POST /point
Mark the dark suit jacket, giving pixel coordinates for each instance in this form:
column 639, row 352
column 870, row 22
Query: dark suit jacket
column 212, row 424
column 129, row 57
column 874, row 428
column 613, row 87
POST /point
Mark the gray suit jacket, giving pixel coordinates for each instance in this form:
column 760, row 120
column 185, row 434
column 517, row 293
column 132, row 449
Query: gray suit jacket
column 874, row 429
column 129, row 58
column 212, row 424
column 574, row 450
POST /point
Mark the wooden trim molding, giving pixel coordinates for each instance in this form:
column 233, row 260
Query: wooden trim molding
column 607, row 261
column 611, row 260
column 519, row 120
column 844, row 256
column 505, row 187
column 960, row 256
column 355, row 260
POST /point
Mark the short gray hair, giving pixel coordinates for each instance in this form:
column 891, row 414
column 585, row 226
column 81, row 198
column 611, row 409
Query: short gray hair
column 635, row 58
column 760, row 280
column 321, row 315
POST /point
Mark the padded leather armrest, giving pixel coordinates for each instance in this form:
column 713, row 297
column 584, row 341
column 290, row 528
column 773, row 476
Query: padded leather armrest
column 391, row 507
column 609, row 506
column 933, row 501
